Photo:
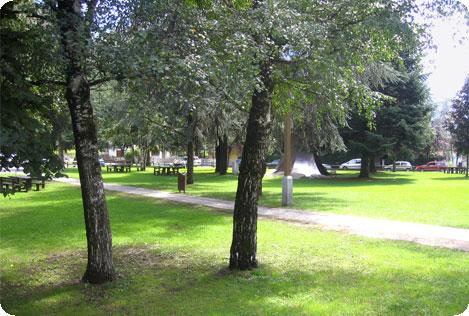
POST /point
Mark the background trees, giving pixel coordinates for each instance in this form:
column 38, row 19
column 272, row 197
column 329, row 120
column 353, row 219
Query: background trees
column 458, row 122
column 32, row 108
column 193, row 71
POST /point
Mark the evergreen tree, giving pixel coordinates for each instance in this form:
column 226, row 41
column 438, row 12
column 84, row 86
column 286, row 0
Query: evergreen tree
column 458, row 122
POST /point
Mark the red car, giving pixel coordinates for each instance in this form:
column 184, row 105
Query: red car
column 432, row 166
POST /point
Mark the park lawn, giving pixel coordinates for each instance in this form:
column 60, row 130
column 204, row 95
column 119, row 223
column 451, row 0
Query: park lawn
column 171, row 260
column 422, row 197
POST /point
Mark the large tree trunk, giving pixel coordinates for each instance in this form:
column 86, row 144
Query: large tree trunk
column 100, row 266
column 365, row 167
column 467, row 164
column 217, row 156
column 190, row 162
column 223, row 155
column 60, row 149
column 144, row 158
column 321, row 168
column 372, row 163
column 244, row 244
column 190, row 148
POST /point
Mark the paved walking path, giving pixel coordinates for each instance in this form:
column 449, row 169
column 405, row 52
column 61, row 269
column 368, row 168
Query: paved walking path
column 437, row 236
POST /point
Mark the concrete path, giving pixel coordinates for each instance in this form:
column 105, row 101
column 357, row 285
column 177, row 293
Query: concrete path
column 436, row 236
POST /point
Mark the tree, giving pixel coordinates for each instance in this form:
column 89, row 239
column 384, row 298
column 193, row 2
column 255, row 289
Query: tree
column 458, row 122
column 75, row 30
column 320, row 51
column 406, row 119
column 29, row 114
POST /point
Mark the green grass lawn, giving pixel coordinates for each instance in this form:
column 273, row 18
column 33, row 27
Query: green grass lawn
column 431, row 197
column 171, row 260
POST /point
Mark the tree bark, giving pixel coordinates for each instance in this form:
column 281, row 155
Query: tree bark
column 394, row 165
column 217, row 156
column 372, row 163
column 60, row 149
column 321, row 168
column 244, row 244
column 190, row 162
column 190, row 149
column 467, row 164
column 144, row 158
column 365, row 166
column 223, row 167
column 100, row 266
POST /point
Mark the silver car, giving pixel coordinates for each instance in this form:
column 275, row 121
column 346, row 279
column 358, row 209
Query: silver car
column 400, row 166
column 353, row 164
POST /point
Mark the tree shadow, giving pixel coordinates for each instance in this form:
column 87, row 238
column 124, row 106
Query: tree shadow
column 455, row 177
column 56, row 218
column 180, row 283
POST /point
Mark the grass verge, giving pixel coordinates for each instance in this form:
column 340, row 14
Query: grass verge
column 171, row 260
column 422, row 197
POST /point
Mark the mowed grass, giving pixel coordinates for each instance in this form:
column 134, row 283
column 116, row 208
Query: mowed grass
column 172, row 259
column 423, row 197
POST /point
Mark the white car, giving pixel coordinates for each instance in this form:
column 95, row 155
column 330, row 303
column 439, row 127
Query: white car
column 353, row 164
column 183, row 161
column 400, row 166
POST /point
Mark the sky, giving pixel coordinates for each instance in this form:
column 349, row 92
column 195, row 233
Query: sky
column 448, row 66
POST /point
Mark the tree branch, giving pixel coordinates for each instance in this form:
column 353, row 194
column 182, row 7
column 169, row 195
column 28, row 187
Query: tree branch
column 41, row 82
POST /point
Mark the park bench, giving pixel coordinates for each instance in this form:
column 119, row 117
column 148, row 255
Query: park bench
column 457, row 170
column 119, row 167
column 39, row 182
column 22, row 183
column 14, row 183
column 166, row 170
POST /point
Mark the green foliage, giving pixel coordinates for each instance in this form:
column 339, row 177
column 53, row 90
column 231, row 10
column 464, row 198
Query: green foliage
column 406, row 119
column 458, row 120
column 32, row 111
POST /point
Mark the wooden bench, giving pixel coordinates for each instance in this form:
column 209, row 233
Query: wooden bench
column 15, row 184
column 38, row 183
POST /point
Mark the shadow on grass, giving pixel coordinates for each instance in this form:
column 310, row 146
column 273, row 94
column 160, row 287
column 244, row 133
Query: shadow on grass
column 343, row 181
column 458, row 177
column 153, row 282
column 55, row 219
column 314, row 201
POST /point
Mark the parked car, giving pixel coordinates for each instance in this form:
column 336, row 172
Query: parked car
column 101, row 162
column 351, row 164
column 273, row 164
column 400, row 166
column 183, row 161
column 432, row 166
column 327, row 166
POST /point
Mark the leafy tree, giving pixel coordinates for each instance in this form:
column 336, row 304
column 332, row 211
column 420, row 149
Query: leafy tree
column 75, row 22
column 406, row 119
column 321, row 51
column 458, row 122
column 29, row 113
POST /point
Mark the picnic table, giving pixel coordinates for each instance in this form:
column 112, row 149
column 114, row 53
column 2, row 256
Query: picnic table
column 119, row 167
column 459, row 170
column 22, row 183
column 166, row 169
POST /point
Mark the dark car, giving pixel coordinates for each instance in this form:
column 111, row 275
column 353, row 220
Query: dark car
column 432, row 166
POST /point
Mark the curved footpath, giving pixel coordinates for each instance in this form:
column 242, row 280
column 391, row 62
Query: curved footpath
column 436, row 236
